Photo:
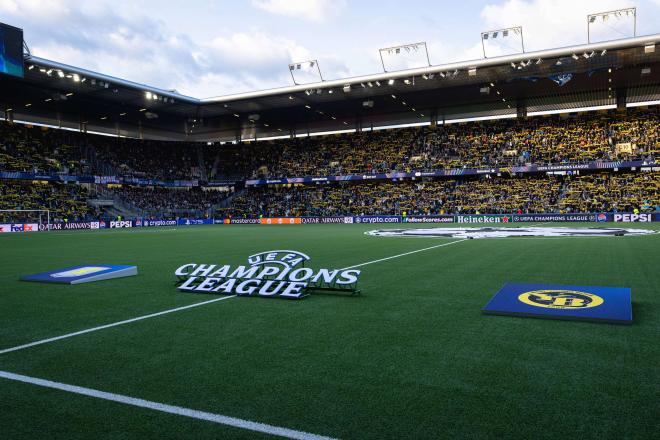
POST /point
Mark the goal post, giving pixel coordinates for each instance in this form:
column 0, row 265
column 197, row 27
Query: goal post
column 24, row 220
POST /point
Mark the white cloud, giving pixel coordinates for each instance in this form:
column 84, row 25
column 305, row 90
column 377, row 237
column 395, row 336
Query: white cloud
column 315, row 10
column 126, row 43
column 551, row 23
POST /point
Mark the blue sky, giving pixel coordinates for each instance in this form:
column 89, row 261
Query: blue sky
column 208, row 48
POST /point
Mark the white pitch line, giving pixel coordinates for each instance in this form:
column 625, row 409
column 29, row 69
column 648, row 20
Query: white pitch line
column 165, row 312
column 170, row 409
column 114, row 324
column 404, row 254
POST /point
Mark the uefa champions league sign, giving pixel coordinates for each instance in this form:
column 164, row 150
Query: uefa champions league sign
column 272, row 274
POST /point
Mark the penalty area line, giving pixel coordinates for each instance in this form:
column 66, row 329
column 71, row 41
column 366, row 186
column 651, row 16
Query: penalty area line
column 165, row 408
column 406, row 253
column 114, row 324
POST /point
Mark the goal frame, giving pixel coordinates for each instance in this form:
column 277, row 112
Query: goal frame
column 47, row 211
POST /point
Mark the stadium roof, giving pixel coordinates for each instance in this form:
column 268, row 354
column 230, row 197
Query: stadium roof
column 601, row 74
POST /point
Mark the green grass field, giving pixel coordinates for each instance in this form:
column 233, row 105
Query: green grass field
column 411, row 357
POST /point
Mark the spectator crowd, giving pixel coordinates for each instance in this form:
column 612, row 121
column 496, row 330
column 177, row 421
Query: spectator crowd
column 531, row 141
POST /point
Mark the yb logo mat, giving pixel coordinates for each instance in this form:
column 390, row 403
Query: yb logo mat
column 560, row 299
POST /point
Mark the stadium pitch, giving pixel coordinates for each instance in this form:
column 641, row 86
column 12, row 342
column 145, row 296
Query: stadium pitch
column 411, row 357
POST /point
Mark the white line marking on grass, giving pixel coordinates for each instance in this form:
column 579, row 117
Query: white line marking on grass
column 114, row 324
column 404, row 254
column 170, row 409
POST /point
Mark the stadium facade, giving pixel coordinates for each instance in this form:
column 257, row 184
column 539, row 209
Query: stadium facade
column 606, row 74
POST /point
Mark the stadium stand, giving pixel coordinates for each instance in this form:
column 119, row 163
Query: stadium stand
column 65, row 202
column 169, row 202
column 539, row 140
column 537, row 194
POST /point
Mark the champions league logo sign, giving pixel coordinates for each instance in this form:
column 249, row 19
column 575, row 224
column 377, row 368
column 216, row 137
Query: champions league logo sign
column 272, row 274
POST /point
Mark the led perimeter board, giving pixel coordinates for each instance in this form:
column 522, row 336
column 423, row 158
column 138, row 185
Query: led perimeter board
column 11, row 50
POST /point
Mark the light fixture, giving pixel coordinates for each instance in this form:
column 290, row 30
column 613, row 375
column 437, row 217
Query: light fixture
column 28, row 105
column 492, row 84
column 147, row 95
column 513, row 64
column 393, row 96
column 378, row 83
column 31, row 67
column 122, row 114
column 48, row 100
column 104, row 118
column 472, row 71
column 575, row 57
column 425, row 76
column 60, row 74
column 307, row 106
column 290, row 97
column 347, row 88
column 603, row 53
column 236, row 115
column 69, row 94
column 390, row 82
column 406, row 81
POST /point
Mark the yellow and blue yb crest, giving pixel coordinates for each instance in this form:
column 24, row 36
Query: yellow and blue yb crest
column 586, row 303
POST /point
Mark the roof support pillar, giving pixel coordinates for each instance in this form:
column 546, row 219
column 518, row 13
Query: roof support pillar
column 358, row 123
column 434, row 117
column 621, row 99
column 521, row 108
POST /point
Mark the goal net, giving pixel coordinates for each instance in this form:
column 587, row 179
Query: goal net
column 24, row 220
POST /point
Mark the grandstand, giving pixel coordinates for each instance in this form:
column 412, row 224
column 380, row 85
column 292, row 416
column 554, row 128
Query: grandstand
column 568, row 135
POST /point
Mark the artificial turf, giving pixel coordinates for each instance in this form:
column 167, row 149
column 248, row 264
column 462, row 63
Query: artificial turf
column 411, row 357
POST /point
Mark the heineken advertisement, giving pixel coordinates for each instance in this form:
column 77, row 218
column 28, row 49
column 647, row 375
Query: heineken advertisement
column 483, row 219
